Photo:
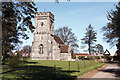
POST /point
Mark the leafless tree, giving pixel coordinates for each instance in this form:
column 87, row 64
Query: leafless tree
column 27, row 47
column 68, row 36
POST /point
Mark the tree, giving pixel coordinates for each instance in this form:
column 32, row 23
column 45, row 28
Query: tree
column 67, row 36
column 89, row 39
column 112, row 29
column 99, row 48
column 16, row 21
column 27, row 47
column 57, row 1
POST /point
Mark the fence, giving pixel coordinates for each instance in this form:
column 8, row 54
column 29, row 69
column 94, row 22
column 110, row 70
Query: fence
column 52, row 70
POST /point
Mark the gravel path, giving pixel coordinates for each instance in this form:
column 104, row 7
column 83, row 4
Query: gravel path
column 111, row 71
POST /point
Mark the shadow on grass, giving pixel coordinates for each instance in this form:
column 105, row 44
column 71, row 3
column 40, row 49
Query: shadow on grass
column 7, row 72
column 67, row 71
column 31, row 62
column 37, row 72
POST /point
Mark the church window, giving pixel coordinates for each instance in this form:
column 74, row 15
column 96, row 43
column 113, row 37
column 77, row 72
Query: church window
column 41, row 49
column 42, row 23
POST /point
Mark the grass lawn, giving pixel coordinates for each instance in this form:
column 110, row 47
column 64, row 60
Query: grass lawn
column 48, row 70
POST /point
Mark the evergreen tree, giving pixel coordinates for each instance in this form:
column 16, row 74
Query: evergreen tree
column 16, row 20
column 112, row 30
column 89, row 39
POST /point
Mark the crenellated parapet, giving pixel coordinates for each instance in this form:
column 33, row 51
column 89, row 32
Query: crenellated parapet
column 45, row 14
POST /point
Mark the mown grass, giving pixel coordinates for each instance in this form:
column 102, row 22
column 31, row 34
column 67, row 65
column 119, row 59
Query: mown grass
column 48, row 70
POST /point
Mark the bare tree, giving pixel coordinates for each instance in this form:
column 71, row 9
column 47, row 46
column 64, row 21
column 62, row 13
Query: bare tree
column 27, row 47
column 68, row 36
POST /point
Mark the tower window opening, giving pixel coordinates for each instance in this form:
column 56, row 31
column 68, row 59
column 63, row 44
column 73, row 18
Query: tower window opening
column 41, row 49
column 42, row 23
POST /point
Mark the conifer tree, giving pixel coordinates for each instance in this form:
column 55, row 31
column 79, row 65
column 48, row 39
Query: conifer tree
column 112, row 30
column 16, row 20
column 89, row 39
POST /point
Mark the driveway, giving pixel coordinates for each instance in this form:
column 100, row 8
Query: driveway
column 110, row 70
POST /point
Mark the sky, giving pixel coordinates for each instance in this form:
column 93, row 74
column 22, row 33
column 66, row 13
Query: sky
column 78, row 16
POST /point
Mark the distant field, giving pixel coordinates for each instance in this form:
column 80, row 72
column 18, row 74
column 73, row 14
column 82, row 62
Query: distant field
column 44, row 69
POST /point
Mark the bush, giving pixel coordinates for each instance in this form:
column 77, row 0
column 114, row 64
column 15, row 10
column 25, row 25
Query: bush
column 96, row 57
column 24, row 59
column 108, row 58
column 103, row 57
column 81, row 57
column 14, row 61
column 89, row 58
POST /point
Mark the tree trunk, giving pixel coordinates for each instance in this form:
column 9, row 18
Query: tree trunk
column 89, row 52
column 89, row 49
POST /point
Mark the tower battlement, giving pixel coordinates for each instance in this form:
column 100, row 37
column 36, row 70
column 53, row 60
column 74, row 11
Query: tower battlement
column 44, row 14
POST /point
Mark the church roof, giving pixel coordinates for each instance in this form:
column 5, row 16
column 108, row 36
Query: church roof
column 58, row 40
column 64, row 49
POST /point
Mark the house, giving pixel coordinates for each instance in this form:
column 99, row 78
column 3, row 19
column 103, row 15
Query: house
column 23, row 53
column 46, row 45
column 76, row 55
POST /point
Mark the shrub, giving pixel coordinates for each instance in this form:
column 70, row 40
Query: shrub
column 108, row 58
column 96, row 57
column 14, row 61
column 81, row 57
column 89, row 57
column 103, row 57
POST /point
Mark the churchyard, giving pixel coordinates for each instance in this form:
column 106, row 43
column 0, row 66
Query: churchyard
column 48, row 70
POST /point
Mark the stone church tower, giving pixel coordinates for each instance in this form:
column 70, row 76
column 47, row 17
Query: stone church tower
column 46, row 45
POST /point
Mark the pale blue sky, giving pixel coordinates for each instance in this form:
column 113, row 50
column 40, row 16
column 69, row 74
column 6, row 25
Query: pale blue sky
column 78, row 15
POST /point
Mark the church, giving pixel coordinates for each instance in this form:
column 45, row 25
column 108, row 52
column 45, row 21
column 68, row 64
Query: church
column 46, row 45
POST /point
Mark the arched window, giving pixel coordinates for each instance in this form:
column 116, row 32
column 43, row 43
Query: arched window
column 42, row 23
column 41, row 49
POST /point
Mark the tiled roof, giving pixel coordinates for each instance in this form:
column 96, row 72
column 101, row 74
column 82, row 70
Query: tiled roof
column 86, row 54
column 64, row 49
column 79, row 54
column 23, row 51
column 58, row 40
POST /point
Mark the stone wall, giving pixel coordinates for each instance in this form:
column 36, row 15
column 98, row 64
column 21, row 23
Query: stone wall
column 43, row 34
